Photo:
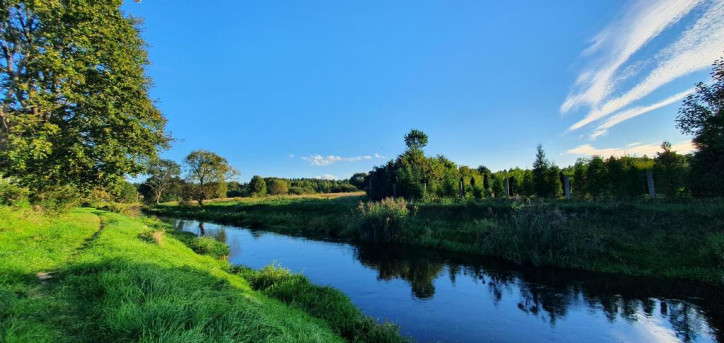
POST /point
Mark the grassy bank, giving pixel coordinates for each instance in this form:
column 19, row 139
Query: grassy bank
column 677, row 240
column 90, row 276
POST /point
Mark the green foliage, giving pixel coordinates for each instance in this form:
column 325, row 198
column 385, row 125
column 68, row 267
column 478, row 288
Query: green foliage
column 276, row 186
column 208, row 172
column 75, row 112
column 382, row 220
column 702, row 115
column 163, row 179
column 416, row 140
column 358, row 180
column 257, row 186
column 671, row 172
column 57, row 199
column 236, row 189
column 12, row 194
column 125, row 192
column 596, row 177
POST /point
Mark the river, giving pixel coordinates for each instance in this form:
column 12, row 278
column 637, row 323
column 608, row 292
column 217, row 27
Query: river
column 437, row 296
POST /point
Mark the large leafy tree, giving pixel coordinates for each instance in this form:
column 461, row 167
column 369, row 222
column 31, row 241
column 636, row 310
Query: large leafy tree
column 702, row 115
column 74, row 104
column 208, row 172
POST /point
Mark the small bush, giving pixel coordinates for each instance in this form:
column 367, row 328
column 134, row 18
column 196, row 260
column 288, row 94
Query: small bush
column 12, row 194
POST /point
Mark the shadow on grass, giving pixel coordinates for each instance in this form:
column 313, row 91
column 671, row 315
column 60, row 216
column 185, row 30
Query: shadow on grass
column 118, row 300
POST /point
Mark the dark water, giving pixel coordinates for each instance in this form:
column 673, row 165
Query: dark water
column 436, row 296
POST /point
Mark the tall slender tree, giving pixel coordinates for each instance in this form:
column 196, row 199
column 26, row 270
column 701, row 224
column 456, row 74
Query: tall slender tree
column 540, row 171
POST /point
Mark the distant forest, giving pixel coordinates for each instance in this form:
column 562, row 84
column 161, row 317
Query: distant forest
column 181, row 189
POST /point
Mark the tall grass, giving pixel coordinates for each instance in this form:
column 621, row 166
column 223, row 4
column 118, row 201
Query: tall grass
column 383, row 220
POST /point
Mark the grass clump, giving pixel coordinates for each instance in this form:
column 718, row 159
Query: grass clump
column 325, row 303
column 383, row 220
column 209, row 246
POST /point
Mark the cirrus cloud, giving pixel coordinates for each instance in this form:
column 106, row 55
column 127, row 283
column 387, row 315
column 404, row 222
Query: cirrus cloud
column 319, row 160
column 634, row 149
column 694, row 49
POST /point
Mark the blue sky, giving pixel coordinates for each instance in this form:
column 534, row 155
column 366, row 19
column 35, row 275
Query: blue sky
column 329, row 88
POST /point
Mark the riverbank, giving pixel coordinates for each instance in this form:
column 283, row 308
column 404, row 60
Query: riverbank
column 91, row 275
column 673, row 240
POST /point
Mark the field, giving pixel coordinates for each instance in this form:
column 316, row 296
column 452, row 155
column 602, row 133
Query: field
column 676, row 240
column 94, row 276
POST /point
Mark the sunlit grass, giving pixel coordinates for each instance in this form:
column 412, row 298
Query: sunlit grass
column 134, row 281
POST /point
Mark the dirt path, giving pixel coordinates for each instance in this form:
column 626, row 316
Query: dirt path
column 45, row 276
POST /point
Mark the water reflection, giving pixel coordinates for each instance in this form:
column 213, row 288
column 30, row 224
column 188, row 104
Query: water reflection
column 549, row 293
column 454, row 297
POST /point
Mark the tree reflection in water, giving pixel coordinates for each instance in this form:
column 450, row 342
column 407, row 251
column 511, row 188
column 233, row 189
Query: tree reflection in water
column 549, row 293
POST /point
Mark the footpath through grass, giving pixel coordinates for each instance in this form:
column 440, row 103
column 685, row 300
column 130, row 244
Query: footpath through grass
column 677, row 240
column 137, row 281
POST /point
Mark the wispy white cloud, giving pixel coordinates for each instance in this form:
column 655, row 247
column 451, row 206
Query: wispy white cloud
column 326, row 177
column 319, row 160
column 631, row 150
column 291, row 155
column 635, row 112
column 696, row 49
column 615, row 44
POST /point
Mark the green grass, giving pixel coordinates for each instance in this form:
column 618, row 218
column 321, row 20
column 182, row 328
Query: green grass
column 663, row 239
column 134, row 280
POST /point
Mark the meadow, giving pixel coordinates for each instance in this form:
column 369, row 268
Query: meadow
column 91, row 275
column 683, row 239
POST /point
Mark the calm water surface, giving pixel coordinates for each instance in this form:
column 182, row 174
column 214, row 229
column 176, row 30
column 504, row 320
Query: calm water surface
column 443, row 297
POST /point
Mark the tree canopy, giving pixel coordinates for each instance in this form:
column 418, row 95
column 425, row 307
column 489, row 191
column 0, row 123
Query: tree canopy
column 208, row 171
column 257, row 186
column 74, row 104
column 702, row 115
column 162, row 176
column 416, row 140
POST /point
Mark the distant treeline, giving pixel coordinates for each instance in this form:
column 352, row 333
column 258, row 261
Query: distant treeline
column 182, row 190
column 413, row 175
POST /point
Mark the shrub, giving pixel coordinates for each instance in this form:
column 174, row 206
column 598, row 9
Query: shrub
column 56, row 199
column 12, row 194
column 383, row 220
